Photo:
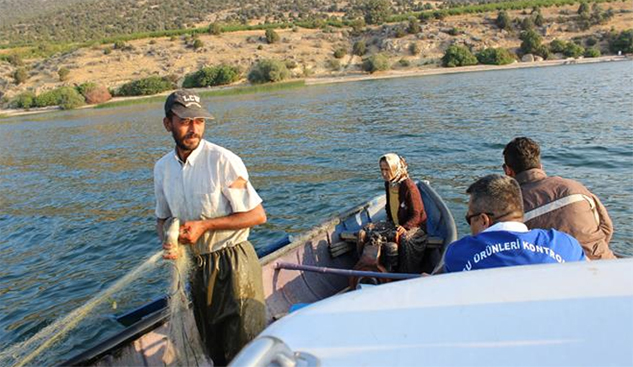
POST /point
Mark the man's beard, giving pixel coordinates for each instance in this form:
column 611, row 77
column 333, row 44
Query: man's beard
column 180, row 142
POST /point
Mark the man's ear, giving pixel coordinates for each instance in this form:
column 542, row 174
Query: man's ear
column 167, row 123
column 487, row 221
column 508, row 171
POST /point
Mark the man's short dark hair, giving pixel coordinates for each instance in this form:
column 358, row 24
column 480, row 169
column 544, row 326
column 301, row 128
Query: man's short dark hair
column 522, row 154
column 497, row 194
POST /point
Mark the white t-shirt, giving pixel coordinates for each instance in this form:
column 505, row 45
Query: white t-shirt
column 199, row 189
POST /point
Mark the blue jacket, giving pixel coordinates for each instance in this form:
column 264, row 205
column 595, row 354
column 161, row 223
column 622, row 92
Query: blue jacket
column 496, row 248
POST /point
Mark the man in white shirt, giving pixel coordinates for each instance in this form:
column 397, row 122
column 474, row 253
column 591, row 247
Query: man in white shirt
column 207, row 188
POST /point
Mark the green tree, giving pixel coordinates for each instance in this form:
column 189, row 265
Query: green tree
column 458, row 56
column 573, row 50
column 271, row 36
column 374, row 63
column 215, row 28
column 557, row 46
column 527, row 24
column 503, row 21
column 583, row 8
column 359, row 48
column 145, row 86
column 119, row 45
column 376, row 11
column 63, row 74
column 357, row 26
column 622, row 42
column 333, row 64
column 495, row 56
column 539, row 20
column 212, row 76
column 65, row 97
column 24, row 100
column 414, row 48
column 531, row 41
column 69, row 98
column 15, row 60
column 414, row 26
column 339, row 53
column 268, row 70
column 197, row 44
column 20, row 76
column 592, row 52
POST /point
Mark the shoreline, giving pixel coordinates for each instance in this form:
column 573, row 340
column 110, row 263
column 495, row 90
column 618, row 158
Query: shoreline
column 344, row 78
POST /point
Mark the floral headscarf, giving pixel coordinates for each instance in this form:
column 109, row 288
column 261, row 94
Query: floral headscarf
column 398, row 167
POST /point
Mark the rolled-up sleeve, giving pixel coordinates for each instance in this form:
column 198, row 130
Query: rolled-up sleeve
column 242, row 199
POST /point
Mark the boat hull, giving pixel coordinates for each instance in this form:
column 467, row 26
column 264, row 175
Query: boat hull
column 145, row 341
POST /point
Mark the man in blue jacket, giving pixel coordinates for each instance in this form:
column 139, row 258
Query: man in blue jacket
column 499, row 236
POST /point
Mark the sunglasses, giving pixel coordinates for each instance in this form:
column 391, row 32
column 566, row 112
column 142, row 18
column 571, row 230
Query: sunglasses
column 469, row 218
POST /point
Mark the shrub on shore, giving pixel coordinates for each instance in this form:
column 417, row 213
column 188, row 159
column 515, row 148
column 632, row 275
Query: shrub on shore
column 266, row 71
column 145, row 86
column 24, row 100
column 573, row 50
column 622, row 42
column 557, row 46
column 592, row 52
column 531, row 42
column 495, row 56
column 458, row 56
column 212, row 76
column 374, row 63
column 65, row 97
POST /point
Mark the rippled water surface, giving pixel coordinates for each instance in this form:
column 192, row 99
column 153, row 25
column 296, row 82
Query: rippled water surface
column 76, row 191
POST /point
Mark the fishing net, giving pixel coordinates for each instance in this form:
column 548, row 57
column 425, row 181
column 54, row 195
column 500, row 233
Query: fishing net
column 185, row 347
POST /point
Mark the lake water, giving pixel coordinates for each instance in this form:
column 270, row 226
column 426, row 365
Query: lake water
column 76, row 189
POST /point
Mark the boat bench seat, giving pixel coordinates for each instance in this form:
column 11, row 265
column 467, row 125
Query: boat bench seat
column 348, row 243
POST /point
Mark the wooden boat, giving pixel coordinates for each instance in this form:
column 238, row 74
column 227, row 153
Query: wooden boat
column 144, row 341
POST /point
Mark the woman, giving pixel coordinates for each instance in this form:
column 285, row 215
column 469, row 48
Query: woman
column 400, row 242
column 405, row 208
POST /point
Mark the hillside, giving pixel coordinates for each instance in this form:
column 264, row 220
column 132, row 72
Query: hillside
column 66, row 21
column 310, row 52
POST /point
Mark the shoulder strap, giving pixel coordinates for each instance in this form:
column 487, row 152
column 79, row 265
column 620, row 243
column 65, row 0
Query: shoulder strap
column 557, row 204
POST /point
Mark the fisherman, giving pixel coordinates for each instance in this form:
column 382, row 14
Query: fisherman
column 499, row 236
column 559, row 203
column 207, row 188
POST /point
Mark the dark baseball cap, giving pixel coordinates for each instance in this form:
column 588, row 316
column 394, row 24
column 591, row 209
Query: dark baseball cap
column 186, row 104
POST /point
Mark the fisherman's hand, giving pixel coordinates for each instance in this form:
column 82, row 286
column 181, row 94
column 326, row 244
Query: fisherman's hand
column 191, row 231
column 401, row 231
column 170, row 252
